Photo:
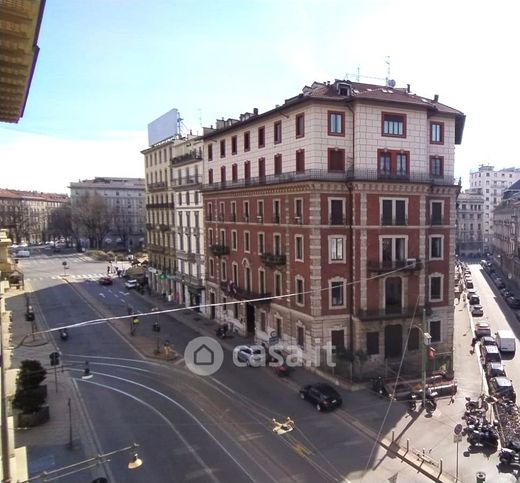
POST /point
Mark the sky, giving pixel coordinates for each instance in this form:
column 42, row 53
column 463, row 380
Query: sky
column 107, row 68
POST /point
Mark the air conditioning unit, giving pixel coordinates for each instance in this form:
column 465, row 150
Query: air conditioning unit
column 298, row 220
column 246, row 218
column 411, row 261
column 260, row 219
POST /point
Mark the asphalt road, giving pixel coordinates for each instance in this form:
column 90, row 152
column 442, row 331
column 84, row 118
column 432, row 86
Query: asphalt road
column 193, row 428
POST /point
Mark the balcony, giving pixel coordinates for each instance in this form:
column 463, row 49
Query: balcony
column 394, row 222
column 219, row 250
column 188, row 182
column 409, row 265
column 192, row 155
column 150, row 226
column 239, row 293
column 337, row 220
column 389, row 313
column 158, row 186
column 350, row 174
column 164, row 227
column 156, row 248
column 272, row 260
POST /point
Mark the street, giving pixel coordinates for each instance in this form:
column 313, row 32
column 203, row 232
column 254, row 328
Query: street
column 215, row 428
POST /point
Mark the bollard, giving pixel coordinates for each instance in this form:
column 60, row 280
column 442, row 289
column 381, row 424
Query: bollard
column 407, row 445
column 393, row 436
column 440, row 465
column 480, row 476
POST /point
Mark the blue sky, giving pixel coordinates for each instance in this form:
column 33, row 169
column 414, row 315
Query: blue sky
column 109, row 67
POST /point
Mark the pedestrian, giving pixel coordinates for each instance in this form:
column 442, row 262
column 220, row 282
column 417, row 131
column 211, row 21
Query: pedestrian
column 135, row 323
column 108, row 269
column 473, row 343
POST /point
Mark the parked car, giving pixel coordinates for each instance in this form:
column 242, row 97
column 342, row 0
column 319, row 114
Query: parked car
column 502, row 387
column 506, row 292
column 322, row 395
column 499, row 283
column 513, row 302
column 488, row 340
column 477, row 310
column 473, row 299
column 253, row 356
column 495, row 369
column 489, row 353
column 131, row 283
column 482, row 329
column 105, row 281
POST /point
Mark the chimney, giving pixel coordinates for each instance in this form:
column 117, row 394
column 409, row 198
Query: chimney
column 255, row 111
column 436, row 98
column 408, row 88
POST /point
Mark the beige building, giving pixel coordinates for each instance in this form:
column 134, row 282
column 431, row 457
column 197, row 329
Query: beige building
column 174, row 219
column 125, row 202
column 26, row 214
column 492, row 185
column 470, row 209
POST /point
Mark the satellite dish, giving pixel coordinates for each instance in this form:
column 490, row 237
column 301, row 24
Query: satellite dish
column 391, row 83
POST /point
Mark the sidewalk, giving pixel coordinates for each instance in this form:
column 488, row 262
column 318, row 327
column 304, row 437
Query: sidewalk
column 61, row 441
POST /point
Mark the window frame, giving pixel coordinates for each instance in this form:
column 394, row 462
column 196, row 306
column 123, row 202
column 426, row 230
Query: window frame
column 247, row 141
column 210, row 152
column 331, row 154
column 433, row 331
column 331, row 125
column 343, row 304
column 393, row 221
column 393, row 117
column 247, row 242
column 300, row 294
column 234, row 144
column 440, row 126
column 394, row 251
column 234, row 240
column 430, row 247
column 343, row 239
column 299, row 247
column 277, row 132
column 222, row 148
column 440, row 277
column 261, row 137
column 437, row 173
column 440, row 202
column 299, row 125
column 300, row 161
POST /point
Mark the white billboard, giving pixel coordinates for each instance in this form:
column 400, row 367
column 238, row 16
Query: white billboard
column 163, row 127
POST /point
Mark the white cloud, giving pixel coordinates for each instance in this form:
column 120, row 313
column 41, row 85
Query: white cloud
column 45, row 163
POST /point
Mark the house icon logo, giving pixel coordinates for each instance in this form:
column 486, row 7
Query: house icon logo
column 203, row 356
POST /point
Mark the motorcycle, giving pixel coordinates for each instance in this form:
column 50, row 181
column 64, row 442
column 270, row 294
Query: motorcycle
column 378, row 386
column 430, row 402
column 222, row 332
column 412, row 402
column 64, row 334
column 508, row 456
column 282, row 370
column 487, row 437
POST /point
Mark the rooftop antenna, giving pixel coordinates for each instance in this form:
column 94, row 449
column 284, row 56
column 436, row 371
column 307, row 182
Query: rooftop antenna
column 200, row 118
column 389, row 81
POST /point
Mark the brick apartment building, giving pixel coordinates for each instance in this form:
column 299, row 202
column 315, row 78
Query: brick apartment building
column 338, row 209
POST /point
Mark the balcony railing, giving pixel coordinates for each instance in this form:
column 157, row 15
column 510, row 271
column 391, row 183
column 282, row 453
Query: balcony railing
column 192, row 155
column 159, row 185
column 150, row 226
column 164, row 227
column 219, row 250
column 271, row 259
column 240, row 293
column 394, row 222
column 411, row 264
column 156, row 248
column 350, row 174
column 389, row 313
column 186, row 181
column 150, row 206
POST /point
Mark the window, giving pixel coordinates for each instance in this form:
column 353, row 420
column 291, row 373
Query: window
column 298, row 250
column 247, row 245
column 211, row 268
column 210, row 152
column 277, row 164
column 260, row 208
column 276, row 211
column 435, row 288
column 222, row 174
column 223, row 148
column 298, row 210
column 261, row 243
column 277, row 244
column 210, row 176
column 436, row 166
column 393, row 295
column 385, row 163
column 300, row 161
column 261, row 281
column 336, row 293
column 223, row 275
column 300, row 125
column 336, row 248
column 278, row 321
column 393, row 125
column 261, row 137
column 300, row 336
column 278, row 284
column 436, row 212
column 336, row 212
column 393, row 164
column 233, row 211
column 393, row 212
column 234, row 172
column 233, row 145
column 246, row 210
column 261, row 167
column 336, row 158
column 247, row 170
column 336, row 123
column 435, row 330
column 278, row 132
column 436, row 247
column 436, row 132
column 247, row 141
column 372, row 343
column 401, row 168
column 234, row 240
column 393, row 249
column 300, row 296
column 413, row 339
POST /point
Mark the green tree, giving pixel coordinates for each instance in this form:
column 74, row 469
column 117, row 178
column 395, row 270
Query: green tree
column 28, row 398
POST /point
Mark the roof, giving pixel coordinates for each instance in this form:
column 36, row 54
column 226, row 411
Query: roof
column 350, row 92
column 19, row 32
column 32, row 195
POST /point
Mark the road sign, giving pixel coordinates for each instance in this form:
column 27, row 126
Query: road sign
column 457, row 438
column 457, row 429
column 162, row 276
column 274, row 340
column 55, row 358
column 64, row 264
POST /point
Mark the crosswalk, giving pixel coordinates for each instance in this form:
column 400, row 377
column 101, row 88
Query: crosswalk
column 82, row 276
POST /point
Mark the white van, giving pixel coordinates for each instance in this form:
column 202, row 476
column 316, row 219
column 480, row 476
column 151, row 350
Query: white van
column 506, row 341
column 23, row 254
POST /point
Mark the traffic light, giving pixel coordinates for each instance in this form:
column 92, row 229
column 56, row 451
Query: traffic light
column 55, row 358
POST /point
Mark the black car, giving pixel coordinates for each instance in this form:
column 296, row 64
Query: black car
column 322, row 395
column 105, row 281
column 495, row 369
column 499, row 283
column 513, row 302
column 502, row 387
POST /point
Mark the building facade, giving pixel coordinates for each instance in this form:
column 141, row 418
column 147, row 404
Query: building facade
column 123, row 211
column 174, row 219
column 470, row 232
column 492, row 185
column 26, row 214
column 330, row 220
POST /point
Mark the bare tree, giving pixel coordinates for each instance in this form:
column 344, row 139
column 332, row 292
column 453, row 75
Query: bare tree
column 91, row 217
column 18, row 222
column 122, row 224
column 60, row 223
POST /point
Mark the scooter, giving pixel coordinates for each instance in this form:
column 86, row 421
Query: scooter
column 64, row 334
column 487, row 437
column 412, row 402
column 378, row 386
column 222, row 333
column 430, row 402
column 282, row 370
